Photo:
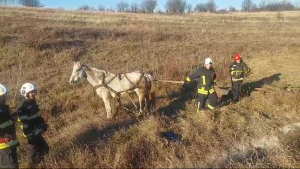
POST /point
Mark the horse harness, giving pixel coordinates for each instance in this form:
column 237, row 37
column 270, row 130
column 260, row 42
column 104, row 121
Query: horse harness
column 119, row 77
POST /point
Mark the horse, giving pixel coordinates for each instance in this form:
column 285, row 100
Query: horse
column 111, row 86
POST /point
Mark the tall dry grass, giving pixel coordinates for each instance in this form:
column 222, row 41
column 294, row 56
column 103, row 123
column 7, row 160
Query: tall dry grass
column 38, row 46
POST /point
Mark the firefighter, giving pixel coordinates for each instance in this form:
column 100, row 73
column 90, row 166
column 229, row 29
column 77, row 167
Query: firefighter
column 238, row 70
column 206, row 82
column 33, row 124
column 8, row 141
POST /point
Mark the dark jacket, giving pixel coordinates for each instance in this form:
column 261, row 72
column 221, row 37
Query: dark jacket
column 238, row 70
column 206, row 78
column 30, row 115
column 7, row 126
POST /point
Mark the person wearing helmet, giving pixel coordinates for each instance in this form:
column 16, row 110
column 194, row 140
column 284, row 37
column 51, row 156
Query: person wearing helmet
column 206, row 82
column 238, row 70
column 8, row 140
column 33, row 124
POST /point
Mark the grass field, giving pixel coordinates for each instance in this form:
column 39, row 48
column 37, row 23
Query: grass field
column 262, row 130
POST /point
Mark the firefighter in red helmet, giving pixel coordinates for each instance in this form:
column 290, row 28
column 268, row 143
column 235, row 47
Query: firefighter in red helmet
column 238, row 70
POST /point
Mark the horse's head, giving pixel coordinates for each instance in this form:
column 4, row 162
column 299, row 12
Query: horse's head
column 77, row 73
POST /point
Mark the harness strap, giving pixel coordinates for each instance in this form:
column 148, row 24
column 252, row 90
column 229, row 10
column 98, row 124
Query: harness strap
column 114, row 91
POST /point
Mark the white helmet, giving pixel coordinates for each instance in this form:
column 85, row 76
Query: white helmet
column 208, row 61
column 27, row 87
column 3, row 89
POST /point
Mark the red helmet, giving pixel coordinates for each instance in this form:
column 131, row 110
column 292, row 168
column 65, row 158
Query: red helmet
column 237, row 57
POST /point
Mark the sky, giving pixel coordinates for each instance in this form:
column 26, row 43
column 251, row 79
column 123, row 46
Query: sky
column 74, row 4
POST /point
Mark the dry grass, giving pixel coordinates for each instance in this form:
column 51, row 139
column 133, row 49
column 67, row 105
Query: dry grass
column 38, row 45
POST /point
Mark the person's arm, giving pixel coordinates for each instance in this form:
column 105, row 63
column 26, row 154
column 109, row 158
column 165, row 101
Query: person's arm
column 214, row 77
column 20, row 113
column 22, row 118
column 193, row 76
column 231, row 69
column 246, row 69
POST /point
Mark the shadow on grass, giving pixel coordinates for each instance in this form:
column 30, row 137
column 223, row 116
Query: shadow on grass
column 179, row 102
column 93, row 134
column 248, row 88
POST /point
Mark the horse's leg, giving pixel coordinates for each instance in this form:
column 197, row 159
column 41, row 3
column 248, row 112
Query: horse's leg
column 152, row 101
column 147, row 102
column 118, row 108
column 106, row 97
column 141, row 96
column 107, row 103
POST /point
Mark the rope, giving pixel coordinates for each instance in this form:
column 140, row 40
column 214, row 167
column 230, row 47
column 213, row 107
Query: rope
column 134, row 86
column 168, row 81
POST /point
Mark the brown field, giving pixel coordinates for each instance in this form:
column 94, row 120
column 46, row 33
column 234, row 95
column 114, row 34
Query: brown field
column 262, row 130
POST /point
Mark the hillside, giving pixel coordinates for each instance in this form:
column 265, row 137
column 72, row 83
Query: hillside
column 262, row 130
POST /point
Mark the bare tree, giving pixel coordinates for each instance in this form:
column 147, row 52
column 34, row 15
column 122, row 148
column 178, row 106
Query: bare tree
column 101, row 8
column 232, row 9
column 111, row 9
column 280, row 6
column 211, row 6
column 223, row 10
column 247, row 5
column 201, row 7
column 85, row 8
column 4, row 2
column 9, row 2
column 263, row 5
column 254, row 7
column 134, row 7
column 122, row 6
column 175, row 6
column 31, row 3
column 160, row 11
column 189, row 8
column 297, row 4
column 149, row 5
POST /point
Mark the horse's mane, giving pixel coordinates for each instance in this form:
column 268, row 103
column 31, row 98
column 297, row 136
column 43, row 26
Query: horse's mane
column 87, row 68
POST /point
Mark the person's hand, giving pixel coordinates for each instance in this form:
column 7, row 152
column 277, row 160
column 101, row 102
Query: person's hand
column 182, row 82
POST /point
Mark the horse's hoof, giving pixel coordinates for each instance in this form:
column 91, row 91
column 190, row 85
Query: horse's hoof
column 138, row 114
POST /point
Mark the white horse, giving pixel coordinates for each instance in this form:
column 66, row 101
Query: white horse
column 109, row 86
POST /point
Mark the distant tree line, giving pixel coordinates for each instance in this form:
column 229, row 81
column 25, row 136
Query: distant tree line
column 264, row 5
column 181, row 6
column 28, row 3
column 176, row 6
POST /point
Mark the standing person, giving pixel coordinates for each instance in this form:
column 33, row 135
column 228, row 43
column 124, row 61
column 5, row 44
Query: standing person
column 8, row 140
column 206, row 82
column 238, row 70
column 33, row 124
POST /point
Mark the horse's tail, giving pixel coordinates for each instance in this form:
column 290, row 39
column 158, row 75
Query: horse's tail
column 151, row 90
column 152, row 95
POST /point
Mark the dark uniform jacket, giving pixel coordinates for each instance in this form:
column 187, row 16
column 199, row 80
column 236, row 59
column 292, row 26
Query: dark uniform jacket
column 238, row 70
column 30, row 116
column 7, row 128
column 206, row 80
